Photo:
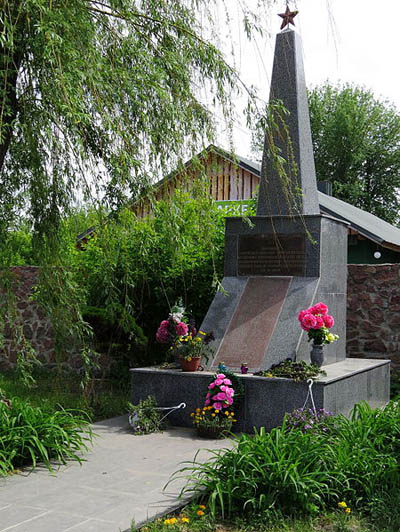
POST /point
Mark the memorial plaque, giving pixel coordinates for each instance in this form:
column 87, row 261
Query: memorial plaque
column 271, row 254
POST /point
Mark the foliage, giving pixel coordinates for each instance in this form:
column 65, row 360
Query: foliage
column 29, row 435
column 133, row 270
column 308, row 419
column 97, row 101
column 190, row 346
column 144, row 417
column 137, row 56
column 327, row 521
column 356, row 140
column 291, row 369
column 296, row 472
column 18, row 250
column 394, row 384
column 101, row 399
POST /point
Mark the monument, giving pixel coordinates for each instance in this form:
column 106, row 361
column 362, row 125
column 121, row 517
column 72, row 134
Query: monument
column 285, row 259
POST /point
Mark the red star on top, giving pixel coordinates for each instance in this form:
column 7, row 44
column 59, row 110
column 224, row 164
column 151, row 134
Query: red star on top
column 288, row 17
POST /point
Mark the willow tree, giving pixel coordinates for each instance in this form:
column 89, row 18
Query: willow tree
column 97, row 98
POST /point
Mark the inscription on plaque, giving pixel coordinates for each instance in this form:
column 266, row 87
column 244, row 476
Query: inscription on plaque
column 271, row 254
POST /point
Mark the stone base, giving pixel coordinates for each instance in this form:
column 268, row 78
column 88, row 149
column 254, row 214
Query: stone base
column 267, row 400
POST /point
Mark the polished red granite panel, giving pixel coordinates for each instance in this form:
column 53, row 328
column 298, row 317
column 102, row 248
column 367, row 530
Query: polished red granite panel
column 253, row 322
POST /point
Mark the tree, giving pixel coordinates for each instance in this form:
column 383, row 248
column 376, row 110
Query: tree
column 101, row 89
column 356, row 140
column 97, row 98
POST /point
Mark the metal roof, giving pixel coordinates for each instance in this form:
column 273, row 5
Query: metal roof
column 363, row 222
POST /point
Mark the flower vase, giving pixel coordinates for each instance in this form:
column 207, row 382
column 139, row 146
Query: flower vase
column 317, row 355
column 190, row 365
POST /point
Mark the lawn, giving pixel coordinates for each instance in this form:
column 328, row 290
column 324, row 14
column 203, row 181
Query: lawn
column 102, row 399
column 331, row 522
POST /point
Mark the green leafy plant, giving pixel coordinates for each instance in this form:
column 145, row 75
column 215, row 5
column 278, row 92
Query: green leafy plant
column 30, row 435
column 144, row 417
column 291, row 369
column 356, row 138
column 190, row 346
column 296, row 472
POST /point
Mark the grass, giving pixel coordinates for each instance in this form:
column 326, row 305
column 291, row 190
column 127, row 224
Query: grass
column 50, row 420
column 335, row 521
column 31, row 434
column 101, row 400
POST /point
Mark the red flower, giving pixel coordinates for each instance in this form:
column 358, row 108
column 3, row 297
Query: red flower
column 319, row 308
column 181, row 329
column 302, row 313
column 328, row 321
column 308, row 322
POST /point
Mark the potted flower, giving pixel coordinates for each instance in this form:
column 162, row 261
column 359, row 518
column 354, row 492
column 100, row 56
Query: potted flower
column 211, row 423
column 170, row 330
column 192, row 349
column 217, row 416
column 317, row 322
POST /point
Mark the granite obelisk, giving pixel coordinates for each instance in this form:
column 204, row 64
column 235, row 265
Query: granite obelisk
column 289, row 138
column 292, row 256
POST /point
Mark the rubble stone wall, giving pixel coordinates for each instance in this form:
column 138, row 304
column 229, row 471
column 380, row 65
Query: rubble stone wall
column 373, row 312
column 36, row 326
column 373, row 316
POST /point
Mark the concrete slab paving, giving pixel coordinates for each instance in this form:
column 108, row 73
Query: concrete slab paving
column 121, row 481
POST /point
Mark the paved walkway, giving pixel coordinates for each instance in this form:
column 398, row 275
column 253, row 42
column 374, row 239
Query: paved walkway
column 122, row 480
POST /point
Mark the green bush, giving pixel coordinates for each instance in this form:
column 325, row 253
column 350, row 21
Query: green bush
column 303, row 473
column 133, row 270
column 29, row 435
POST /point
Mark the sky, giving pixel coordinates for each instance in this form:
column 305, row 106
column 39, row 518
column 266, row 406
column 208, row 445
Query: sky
column 343, row 40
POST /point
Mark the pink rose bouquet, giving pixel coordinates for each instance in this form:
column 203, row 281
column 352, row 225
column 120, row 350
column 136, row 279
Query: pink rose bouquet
column 317, row 322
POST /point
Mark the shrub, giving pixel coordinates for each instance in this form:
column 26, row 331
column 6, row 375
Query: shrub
column 29, row 435
column 298, row 472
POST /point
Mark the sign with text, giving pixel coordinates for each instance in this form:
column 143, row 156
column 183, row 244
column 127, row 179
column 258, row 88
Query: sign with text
column 271, row 254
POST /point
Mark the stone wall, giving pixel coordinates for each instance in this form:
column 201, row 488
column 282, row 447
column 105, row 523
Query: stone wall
column 35, row 325
column 373, row 315
column 373, row 312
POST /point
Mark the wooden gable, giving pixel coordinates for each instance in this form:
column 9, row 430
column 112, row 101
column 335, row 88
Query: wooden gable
column 228, row 180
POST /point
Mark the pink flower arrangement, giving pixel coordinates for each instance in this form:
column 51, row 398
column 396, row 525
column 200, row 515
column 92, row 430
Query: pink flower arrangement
column 220, row 393
column 316, row 321
column 170, row 330
column 181, row 329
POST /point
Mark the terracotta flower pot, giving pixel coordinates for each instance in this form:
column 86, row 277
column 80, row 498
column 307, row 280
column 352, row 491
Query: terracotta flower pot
column 190, row 365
